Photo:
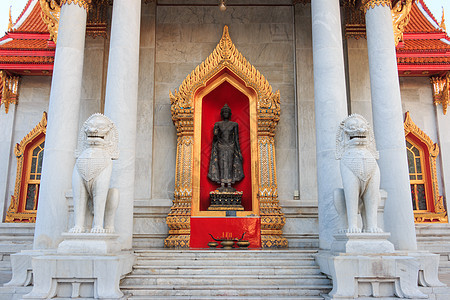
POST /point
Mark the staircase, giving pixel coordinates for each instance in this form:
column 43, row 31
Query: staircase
column 226, row 274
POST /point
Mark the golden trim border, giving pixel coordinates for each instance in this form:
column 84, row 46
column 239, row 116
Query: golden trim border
column 440, row 212
column 12, row 214
column 197, row 146
column 81, row 3
column 368, row 4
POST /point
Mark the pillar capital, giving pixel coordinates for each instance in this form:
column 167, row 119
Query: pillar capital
column 368, row 4
column 81, row 3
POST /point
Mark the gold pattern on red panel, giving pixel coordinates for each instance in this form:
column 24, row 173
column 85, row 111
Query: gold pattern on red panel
column 436, row 213
column 15, row 212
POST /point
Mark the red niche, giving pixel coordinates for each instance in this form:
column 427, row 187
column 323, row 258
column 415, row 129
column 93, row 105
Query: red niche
column 211, row 106
column 228, row 227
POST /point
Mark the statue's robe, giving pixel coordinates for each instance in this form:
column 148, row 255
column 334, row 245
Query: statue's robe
column 226, row 158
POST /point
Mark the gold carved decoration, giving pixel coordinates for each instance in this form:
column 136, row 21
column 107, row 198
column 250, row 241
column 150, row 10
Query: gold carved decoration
column 439, row 214
column 96, row 24
column 368, row 4
column 400, row 18
column 442, row 24
column 228, row 60
column 355, row 20
column 441, row 91
column 10, row 22
column 81, row 3
column 50, row 15
column 15, row 212
column 97, row 19
column 9, row 86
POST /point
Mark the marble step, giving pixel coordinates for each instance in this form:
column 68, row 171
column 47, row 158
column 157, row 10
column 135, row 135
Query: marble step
column 232, row 281
column 225, row 270
column 227, row 297
column 227, row 291
column 14, row 293
column 167, row 254
column 236, row 262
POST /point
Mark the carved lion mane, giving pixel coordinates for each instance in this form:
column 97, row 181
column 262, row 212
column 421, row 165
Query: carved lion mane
column 360, row 127
column 110, row 135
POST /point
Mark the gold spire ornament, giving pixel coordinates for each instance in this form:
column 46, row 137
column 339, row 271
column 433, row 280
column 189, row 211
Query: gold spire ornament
column 442, row 25
column 10, row 23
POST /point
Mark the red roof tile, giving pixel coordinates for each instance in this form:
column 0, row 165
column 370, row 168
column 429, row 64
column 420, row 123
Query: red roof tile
column 27, row 47
column 33, row 23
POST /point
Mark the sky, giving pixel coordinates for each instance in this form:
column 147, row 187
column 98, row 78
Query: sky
column 17, row 6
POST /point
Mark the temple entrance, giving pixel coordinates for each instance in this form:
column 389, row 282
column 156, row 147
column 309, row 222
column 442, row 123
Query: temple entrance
column 225, row 77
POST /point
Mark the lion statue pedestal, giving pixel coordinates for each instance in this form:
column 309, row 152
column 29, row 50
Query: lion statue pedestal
column 89, row 262
column 361, row 261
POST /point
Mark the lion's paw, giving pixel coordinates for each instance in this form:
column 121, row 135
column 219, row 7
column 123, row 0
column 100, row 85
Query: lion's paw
column 373, row 230
column 109, row 230
column 97, row 229
column 77, row 229
column 353, row 230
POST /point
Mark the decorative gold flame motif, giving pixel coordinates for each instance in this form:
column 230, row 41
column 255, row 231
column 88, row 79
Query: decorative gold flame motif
column 400, row 18
column 50, row 16
column 9, row 86
column 225, row 55
column 441, row 91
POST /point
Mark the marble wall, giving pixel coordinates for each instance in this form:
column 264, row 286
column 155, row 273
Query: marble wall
column 359, row 80
column 307, row 183
column 93, row 77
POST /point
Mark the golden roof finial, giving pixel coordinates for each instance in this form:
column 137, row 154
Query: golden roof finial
column 442, row 25
column 10, row 24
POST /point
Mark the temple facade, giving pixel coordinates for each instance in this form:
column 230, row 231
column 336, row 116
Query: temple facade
column 291, row 71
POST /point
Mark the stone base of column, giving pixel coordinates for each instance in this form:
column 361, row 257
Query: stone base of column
column 22, row 269
column 371, row 275
column 80, row 276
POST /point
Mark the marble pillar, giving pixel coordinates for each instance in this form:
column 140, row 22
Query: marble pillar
column 388, row 127
column 121, row 107
column 330, row 102
column 62, row 128
column 6, row 148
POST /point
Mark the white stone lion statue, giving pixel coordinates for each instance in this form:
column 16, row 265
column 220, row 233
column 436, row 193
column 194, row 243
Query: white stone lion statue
column 97, row 147
column 355, row 147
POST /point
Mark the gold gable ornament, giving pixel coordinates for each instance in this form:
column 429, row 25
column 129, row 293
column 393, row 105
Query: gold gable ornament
column 439, row 214
column 226, row 63
column 16, row 211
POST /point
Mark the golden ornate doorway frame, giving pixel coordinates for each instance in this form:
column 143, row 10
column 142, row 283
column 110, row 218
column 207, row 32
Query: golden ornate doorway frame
column 225, row 64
